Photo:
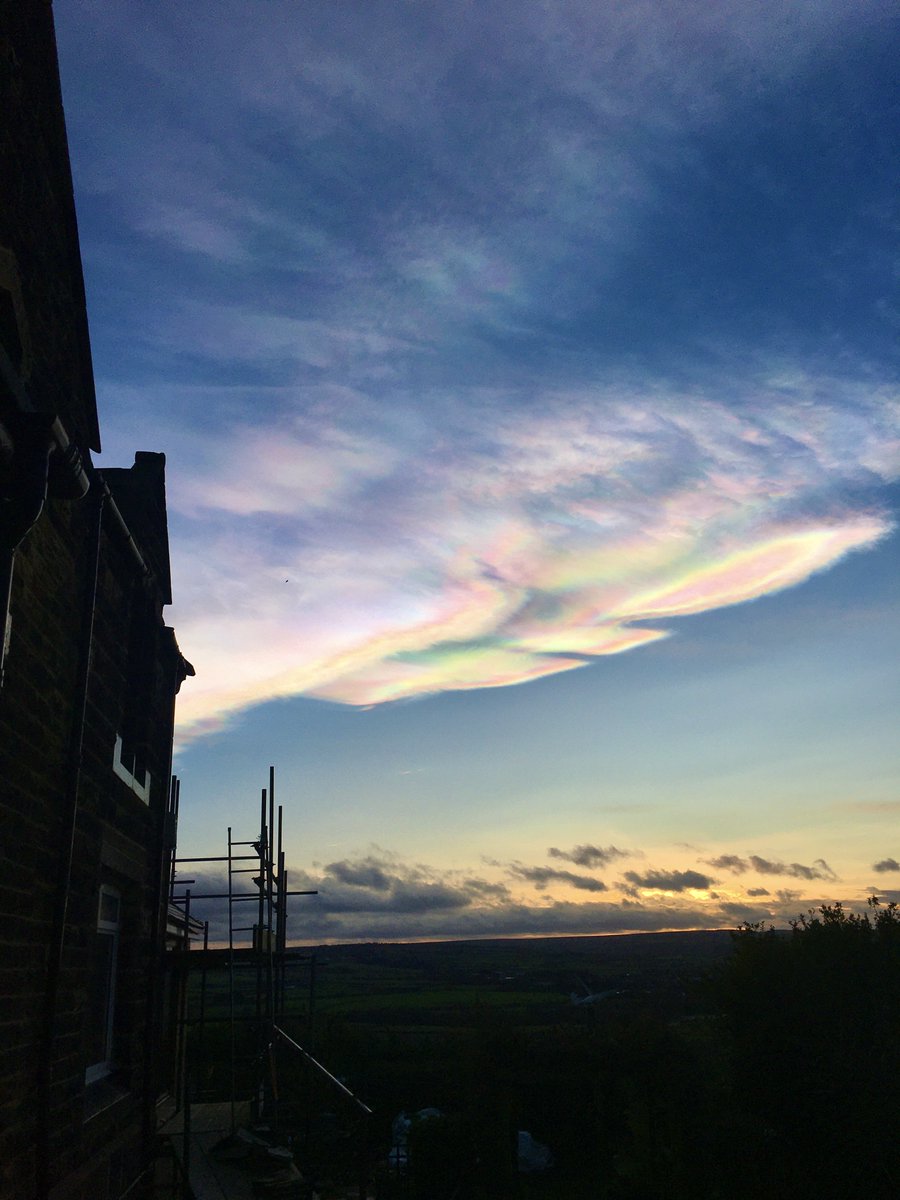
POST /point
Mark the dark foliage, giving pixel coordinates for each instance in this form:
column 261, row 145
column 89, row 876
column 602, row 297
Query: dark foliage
column 777, row 1074
column 813, row 1017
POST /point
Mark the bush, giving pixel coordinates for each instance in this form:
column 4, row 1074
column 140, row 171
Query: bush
column 814, row 1021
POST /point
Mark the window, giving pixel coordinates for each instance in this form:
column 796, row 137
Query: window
column 127, row 767
column 102, row 997
column 130, row 754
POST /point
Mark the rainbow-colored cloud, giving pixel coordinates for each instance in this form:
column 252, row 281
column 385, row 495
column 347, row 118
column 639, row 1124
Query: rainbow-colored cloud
column 363, row 556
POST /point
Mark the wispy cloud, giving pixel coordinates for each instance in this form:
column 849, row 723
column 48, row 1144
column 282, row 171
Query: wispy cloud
column 587, row 855
column 455, row 414
column 729, row 862
column 764, row 866
column 362, row 559
column 542, row 877
column 819, row 870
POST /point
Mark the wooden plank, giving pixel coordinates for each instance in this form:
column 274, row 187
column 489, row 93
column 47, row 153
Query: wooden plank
column 207, row 1118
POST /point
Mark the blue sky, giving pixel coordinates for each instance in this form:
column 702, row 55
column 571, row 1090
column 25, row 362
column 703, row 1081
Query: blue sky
column 527, row 377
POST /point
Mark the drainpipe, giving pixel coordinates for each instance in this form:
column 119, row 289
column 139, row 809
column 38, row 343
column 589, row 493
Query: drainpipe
column 7, row 451
column 180, row 669
column 7, row 562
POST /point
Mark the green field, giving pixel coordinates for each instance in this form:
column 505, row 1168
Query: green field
column 487, row 1033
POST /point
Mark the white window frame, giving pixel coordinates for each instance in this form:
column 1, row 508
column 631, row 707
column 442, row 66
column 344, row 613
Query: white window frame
column 109, row 928
column 140, row 789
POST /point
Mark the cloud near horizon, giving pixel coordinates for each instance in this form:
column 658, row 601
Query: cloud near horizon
column 378, row 895
column 592, row 856
column 667, row 881
column 541, row 877
column 738, row 866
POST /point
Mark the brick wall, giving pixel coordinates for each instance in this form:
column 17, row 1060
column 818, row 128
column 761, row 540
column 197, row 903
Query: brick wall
column 118, row 839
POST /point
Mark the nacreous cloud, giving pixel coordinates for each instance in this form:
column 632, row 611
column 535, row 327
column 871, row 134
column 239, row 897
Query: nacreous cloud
column 364, row 553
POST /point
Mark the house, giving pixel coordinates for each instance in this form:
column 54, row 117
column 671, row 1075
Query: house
column 89, row 672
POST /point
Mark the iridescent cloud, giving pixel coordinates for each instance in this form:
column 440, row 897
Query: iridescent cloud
column 449, row 270
column 364, row 557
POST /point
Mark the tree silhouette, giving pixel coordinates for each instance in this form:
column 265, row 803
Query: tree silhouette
column 814, row 1022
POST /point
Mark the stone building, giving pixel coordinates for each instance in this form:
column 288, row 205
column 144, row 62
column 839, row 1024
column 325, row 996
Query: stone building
column 89, row 677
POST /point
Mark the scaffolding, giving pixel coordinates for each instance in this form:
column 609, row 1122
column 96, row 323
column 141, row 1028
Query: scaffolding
column 257, row 952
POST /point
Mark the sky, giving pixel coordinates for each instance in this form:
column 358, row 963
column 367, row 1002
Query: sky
column 528, row 380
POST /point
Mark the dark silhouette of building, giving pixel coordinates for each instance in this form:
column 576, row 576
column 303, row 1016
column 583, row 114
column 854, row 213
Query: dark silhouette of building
column 89, row 677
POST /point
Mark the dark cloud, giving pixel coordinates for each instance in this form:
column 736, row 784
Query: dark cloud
column 403, row 896
column 669, row 881
column 758, row 892
column 512, row 920
column 215, row 911
column 353, row 893
column 420, row 902
column 788, row 895
column 542, row 876
column 744, row 912
column 728, row 862
column 481, row 887
column 819, row 870
column 886, row 864
column 367, row 873
column 203, row 882
column 380, row 883
column 590, row 856
column 737, row 865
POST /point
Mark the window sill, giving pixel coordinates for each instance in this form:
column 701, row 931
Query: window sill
column 140, row 787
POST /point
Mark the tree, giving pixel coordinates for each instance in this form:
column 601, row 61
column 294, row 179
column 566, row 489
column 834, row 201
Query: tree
column 813, row 1016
